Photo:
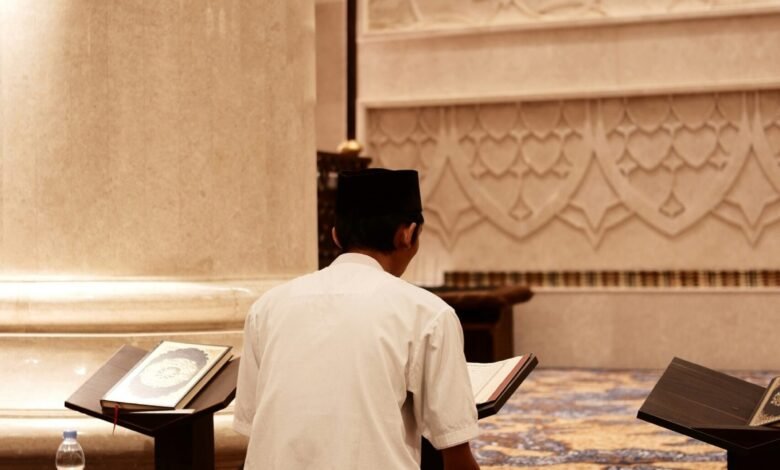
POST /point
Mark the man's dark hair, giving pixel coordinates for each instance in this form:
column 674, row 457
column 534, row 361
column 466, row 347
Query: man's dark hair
column 374, row 232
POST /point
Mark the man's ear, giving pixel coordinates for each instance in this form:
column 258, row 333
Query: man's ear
column 404, row 236
column 335, row 238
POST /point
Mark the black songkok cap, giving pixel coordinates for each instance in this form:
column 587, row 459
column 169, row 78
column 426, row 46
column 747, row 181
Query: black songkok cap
column 378, row 191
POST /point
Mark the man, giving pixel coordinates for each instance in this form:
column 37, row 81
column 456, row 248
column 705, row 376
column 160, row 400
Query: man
column 347, row 367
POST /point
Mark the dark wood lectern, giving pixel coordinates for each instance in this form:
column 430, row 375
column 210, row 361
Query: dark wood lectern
column 714, row 408
column 180, row 440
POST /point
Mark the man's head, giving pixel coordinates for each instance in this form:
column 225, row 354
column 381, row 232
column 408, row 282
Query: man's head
column 379, row 211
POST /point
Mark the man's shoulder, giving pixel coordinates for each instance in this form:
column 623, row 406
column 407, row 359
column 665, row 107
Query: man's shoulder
column 383, row 287
column 416, row 294
column 281, row 290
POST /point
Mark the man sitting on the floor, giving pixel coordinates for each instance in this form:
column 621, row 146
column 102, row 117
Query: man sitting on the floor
column 347, row 367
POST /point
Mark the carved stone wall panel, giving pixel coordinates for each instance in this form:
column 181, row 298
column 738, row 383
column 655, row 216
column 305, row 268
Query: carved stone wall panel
column 624, row 183
column 404, row 15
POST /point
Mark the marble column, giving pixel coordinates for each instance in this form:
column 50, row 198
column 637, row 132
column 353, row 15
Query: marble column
column 158, row 174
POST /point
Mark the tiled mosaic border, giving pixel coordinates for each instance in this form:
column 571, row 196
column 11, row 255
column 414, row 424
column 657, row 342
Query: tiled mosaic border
column 618, row 279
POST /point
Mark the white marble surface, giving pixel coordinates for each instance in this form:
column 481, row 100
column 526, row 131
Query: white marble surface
column 157, row 139
column 151, row 159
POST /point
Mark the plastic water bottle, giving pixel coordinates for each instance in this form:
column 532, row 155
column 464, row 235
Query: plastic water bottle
column 70, row 456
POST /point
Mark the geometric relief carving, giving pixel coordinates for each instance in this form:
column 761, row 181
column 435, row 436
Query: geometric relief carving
column 749, row 204
column 754, row 202
column 664, row 156
column 433, row 14
column 515, row 165
column 595, row 208
column 671, row 161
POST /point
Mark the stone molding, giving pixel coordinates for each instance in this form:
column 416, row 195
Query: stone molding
column 692, row 55
column 127, row 306
column 411, row 17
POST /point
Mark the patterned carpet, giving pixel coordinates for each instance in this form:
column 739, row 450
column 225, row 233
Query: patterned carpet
column 586, row 420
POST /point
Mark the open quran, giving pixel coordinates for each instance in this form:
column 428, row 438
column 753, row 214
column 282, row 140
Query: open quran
column 493, row 383
column 168, row 377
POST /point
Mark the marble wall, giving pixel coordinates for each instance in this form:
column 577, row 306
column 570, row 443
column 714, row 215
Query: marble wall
column 156, row 139
column 658, row 182
column 151, row 160
column 590, row 135
column 583, row 135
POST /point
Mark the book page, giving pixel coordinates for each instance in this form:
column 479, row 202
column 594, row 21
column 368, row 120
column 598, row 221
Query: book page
column 166, row 374
column 486, row 378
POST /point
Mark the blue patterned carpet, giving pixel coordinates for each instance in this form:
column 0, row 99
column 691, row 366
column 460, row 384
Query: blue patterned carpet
column 586, row 419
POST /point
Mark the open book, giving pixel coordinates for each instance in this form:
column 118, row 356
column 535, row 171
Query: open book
column 168, row 377
column 493, row 383
column 768, row 409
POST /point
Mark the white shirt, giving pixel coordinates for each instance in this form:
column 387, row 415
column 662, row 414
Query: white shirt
column 346, row 368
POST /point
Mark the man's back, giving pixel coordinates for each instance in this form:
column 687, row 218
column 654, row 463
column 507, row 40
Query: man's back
column 346, row 368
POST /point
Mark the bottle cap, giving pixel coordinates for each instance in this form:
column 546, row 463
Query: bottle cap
column 69, row 434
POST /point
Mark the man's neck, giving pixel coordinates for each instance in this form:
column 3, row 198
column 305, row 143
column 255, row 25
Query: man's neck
column 389, row 261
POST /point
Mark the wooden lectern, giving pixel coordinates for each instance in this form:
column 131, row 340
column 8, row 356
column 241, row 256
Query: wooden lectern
column 714, row 408
column 180, row 440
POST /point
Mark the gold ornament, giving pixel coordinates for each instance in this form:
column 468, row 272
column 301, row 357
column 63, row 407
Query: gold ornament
column 350, row 147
